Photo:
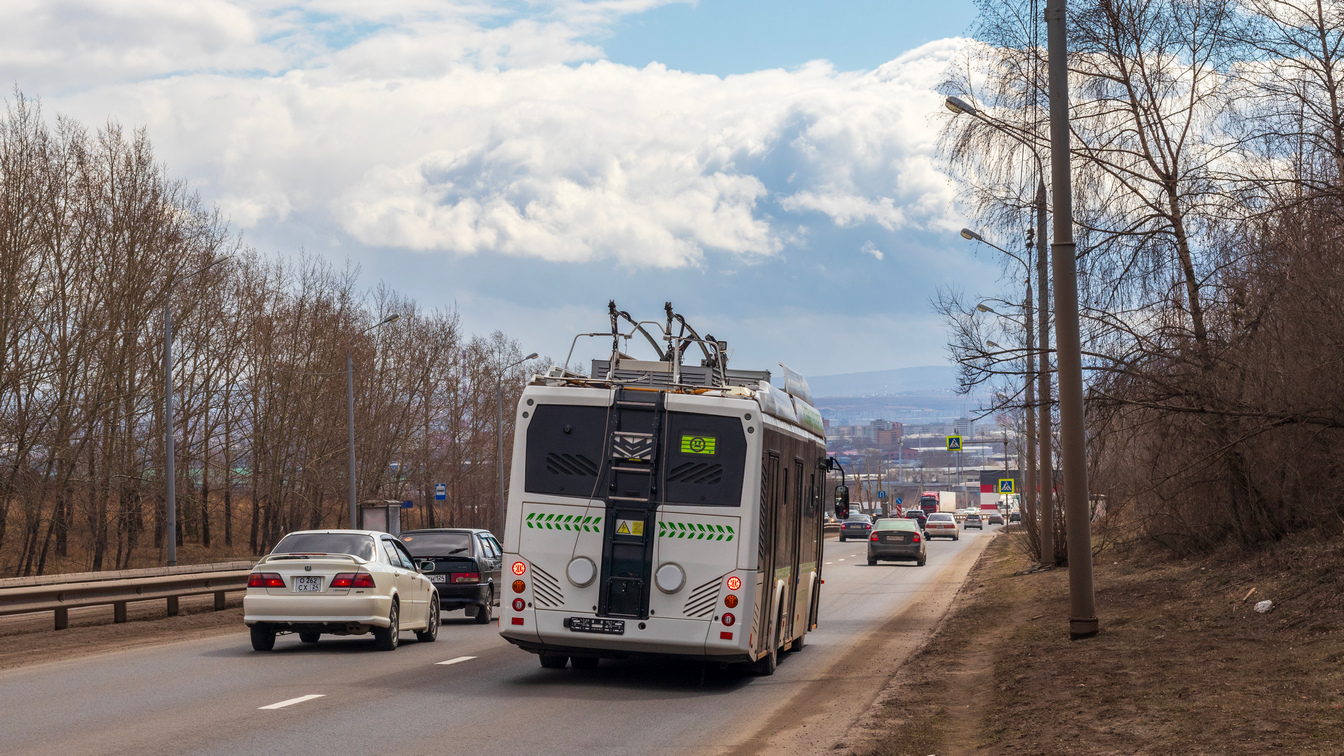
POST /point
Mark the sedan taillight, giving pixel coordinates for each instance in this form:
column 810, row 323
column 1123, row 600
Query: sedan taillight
column 914, row 538
column 874, row 538
column 265, row 580
column 363, row 580
column 465, row 577
column 343, row 580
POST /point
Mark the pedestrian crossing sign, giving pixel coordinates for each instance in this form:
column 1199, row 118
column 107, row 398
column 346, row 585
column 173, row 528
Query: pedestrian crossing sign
column 1006, row 486
column 954, row 443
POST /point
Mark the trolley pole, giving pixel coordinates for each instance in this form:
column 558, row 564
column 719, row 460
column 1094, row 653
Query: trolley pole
column 1072, row 430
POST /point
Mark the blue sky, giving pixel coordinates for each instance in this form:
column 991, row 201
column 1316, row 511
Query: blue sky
column 737, row 36
column 767, row 167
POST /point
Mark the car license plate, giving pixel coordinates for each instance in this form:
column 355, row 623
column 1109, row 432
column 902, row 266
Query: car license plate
column 307, row 584
column 437, row 578
column 896, row 538
column 595, row 625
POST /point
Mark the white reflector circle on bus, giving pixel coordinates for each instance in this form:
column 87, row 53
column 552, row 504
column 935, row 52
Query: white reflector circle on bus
column 670, row 578
column 581, row 571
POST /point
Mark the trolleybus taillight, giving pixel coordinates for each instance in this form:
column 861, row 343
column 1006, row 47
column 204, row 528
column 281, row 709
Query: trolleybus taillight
column 728, row 619
column 518, row 586
column 730, row 601
column 519, row 568
column 519, row 604
column 734, row 583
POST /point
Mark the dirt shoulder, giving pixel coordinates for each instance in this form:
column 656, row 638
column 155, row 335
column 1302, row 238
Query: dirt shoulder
column 1183, row 663
column 28, row 639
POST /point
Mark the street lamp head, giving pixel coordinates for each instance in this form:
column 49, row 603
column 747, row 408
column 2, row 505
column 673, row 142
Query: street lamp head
column 532, row 356
column 966, row 233
column 982, row 307
column 958, row 105
column 390, row 318
column 993, row 345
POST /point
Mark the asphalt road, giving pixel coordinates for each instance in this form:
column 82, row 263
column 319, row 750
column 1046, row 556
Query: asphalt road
column 470, row 692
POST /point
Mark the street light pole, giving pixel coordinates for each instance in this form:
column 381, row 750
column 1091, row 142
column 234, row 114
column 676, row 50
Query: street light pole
column 1047, row 474
column 169, row 442
column 350, row 414
column 1068, row 339
column 499, row 433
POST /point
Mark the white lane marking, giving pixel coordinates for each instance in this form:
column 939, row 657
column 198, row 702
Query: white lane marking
column 293, row 701
column 830, row 563
column 458, row 659
column 842, row 560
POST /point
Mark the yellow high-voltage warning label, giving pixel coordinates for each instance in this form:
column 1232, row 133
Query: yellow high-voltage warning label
column 630, row 527
column 697, row 444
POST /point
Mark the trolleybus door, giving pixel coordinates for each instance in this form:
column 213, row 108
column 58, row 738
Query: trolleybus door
column 796, row 520
column 766, row 553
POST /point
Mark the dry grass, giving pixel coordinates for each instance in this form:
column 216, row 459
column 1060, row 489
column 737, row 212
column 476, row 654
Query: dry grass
column 1182, row 665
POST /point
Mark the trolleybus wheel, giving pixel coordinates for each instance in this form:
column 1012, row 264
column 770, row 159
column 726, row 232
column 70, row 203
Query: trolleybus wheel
column 584, row 662
column 798, row 643
column 766, row 665
column 553, row 661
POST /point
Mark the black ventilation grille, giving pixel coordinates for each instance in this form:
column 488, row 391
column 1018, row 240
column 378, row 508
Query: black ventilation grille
column 703, row 600
column 570, row 464
column 545, row 588
column 696, row 472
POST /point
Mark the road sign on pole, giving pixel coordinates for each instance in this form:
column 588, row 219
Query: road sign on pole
column 881, row 494
column 1006, row 486
column 954, row 443
column 440, row 492
column 899, row 500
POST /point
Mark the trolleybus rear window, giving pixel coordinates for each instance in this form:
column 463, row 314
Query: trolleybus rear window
column 704, row 460
column 703, row 457
column 564, row 450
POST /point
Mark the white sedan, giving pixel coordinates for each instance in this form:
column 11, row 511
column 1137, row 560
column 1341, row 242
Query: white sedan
column 942, row 525
column 341, row 582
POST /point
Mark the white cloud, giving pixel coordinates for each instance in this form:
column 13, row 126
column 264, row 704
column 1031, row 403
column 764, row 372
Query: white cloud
column 458, row 127
column 869, row 248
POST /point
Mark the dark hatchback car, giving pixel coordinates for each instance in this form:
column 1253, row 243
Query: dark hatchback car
column 857, row 526
column 467, row 565
column 919, row 515
column 897, row 539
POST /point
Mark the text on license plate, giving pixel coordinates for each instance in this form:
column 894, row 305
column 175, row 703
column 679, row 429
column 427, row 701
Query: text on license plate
column 437, row 578
column 307, row 584
column 595, row 625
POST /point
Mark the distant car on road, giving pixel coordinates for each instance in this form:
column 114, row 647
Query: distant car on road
column 919, row 516
column 897, row 539
column 341, row 582
column 996, row 519
column 467, row 565
column 973, row 521
column 943, row 525
column 1015, row 517
column 857, row 526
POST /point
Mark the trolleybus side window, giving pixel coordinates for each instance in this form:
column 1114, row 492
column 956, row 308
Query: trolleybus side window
column 703, row 461
column 564, row 450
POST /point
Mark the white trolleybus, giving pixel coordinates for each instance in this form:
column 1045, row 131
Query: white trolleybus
column 662, row 508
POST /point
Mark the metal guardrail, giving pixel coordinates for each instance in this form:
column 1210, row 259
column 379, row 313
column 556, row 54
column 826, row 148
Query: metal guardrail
column 61, row 593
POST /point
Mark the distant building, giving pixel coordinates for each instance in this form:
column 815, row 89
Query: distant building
column 964, row 427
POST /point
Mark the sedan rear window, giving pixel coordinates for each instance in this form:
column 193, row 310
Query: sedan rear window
column 889, row 524
column 942, row 517
column 353, row 544
column 438, row 544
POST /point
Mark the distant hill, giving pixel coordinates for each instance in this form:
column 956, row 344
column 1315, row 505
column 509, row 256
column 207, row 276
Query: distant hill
column 911, row 380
